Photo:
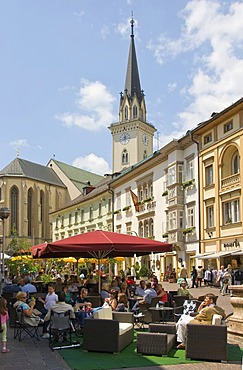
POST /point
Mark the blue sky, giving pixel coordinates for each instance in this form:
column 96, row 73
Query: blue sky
column 63, row 65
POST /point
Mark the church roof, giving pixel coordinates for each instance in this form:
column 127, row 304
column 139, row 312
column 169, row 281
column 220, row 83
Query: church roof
column 132, row 83
column 22, row 168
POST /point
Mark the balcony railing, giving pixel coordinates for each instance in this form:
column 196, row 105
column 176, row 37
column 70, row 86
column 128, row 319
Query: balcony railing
column 230, row 180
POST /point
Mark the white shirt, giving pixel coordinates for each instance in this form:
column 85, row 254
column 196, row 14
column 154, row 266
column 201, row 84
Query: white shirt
column 50, row 300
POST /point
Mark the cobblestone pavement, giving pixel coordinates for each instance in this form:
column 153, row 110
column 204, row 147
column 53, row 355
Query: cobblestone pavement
column 32, row 355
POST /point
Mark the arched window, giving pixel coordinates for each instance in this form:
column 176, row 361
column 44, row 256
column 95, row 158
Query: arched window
column 145, row 154
column 126, row 112
column 42, row 212
column 151, row 227
column 134, row 111
column 125, row 157
column 140, row 229
column 29, row 211
column 235, row 164
column 146, row 229
column 14, row 206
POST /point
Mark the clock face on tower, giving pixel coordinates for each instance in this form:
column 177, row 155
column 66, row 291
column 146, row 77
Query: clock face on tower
column 145, row 139
column 124, row 138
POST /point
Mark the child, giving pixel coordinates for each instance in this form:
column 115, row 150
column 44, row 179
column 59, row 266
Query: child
column 4, row 317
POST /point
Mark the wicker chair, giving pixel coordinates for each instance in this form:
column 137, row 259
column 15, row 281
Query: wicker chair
column 206, row 342
column 144, row 309
column 158, row 341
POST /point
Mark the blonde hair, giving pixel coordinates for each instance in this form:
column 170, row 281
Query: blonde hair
column 20, row 295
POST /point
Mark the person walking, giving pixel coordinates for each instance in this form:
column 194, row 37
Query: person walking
column 220, row 279
column 194, row 277
column 199, row 276
column 183, row 273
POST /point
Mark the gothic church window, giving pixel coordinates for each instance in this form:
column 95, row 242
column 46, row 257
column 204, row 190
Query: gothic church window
column 134, row 112
column 29, row 211
column 14, row 206
column 126, row 112
column 145, row 154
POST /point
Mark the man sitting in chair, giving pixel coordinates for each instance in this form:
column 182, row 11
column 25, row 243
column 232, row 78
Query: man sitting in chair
column 206, row 310
column 60, row 307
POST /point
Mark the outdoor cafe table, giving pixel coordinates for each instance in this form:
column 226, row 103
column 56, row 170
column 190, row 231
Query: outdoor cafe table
column 162, row 311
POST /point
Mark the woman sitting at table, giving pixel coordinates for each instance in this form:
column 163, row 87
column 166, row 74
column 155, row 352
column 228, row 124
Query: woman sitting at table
column 112, row 300
column 122, row 303
column 124, row 289
column 183, row 290
column 161, row 293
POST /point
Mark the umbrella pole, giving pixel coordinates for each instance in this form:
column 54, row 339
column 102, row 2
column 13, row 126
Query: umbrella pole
column 99, row 279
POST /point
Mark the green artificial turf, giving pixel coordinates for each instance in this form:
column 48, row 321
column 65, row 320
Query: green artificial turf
column 77, row 359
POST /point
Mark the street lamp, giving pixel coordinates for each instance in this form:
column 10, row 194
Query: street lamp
column 4, row 214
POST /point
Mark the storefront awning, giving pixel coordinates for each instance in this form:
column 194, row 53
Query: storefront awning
column 237, row 253
column 217, row 255
column 200, row 255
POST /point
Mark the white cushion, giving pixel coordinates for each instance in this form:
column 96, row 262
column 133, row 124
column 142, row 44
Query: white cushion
column 104, row 313
column 124, row 327
column 217, row 319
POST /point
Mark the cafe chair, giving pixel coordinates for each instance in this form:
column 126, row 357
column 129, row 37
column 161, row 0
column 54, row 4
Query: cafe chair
column 60, row 331
column 189, row 307
column 22, row 329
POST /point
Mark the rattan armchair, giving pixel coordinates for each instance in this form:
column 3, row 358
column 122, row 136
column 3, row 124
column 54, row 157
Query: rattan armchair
column 206, row 342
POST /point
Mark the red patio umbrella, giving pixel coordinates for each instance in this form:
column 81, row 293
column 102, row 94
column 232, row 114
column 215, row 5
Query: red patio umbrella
column 100, row 244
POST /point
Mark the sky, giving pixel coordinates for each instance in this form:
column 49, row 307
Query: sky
column 63, row 64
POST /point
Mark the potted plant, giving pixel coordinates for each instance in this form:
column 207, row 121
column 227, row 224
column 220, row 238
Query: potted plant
column 165, row 193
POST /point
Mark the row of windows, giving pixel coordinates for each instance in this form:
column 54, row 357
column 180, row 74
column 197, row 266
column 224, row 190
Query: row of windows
column 234, row 168
column 31, row 211
column 209, row 137
column 230, row 214
column 134, row 112
column 83, row 215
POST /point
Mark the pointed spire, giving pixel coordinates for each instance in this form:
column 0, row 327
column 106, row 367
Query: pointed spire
column 132, row 83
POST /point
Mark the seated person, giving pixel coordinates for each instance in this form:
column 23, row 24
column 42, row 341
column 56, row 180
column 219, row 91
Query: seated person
column 122, row 303
column 105, row 291
column 130, row 280
column 28, row 287
column 149, row 293
column 206, row 310
column 114, row 285
column 29, row 316
column 83, row 304
column 140, row 289
column 183, row 290
column 124, row 289
column 60, row 307
column 58, row 285
column 67, row 294
column 161, row 293
column 112, row 300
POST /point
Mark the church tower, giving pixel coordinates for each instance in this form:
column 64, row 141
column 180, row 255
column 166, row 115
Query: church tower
column 132, row 136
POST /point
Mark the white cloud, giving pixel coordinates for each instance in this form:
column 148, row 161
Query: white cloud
column 94, row 107
column 172, row 86
column 19, row 143
column 213, row 31
column 104, row 32
column 79, row 14
column 124, row 27
column 92, row 163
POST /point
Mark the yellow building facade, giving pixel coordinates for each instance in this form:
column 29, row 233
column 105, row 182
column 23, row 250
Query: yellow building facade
column 220, row 143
